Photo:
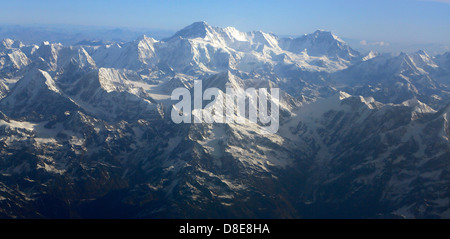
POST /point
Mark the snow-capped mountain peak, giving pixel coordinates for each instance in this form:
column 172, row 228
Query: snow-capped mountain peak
column 323, row 35
column 369, row 56
column 321, row 43
column 195, row 30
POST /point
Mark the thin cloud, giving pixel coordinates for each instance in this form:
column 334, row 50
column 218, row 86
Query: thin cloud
column 377, row 43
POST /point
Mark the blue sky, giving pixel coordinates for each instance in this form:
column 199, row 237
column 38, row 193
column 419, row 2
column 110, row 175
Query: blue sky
column 374, row 21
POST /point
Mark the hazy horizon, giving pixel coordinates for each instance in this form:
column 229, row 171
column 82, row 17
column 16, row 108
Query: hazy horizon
column 71, row 34
column 409, row 21
column 380, row 25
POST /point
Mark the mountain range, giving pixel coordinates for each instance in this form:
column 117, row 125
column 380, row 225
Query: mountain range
column 86, row 132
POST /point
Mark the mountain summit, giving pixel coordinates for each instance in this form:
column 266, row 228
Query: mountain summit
column 234, row 49
column 195, row 30
column 321, row 43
